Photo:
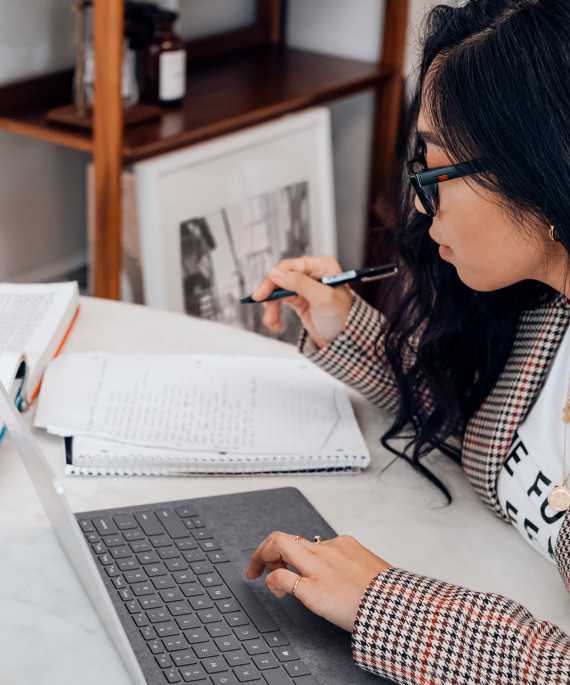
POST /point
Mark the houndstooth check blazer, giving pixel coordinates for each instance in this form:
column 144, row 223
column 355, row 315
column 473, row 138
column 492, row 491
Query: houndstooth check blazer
column 414, row 629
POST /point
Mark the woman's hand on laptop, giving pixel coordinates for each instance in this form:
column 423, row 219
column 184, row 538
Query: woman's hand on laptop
column 323, row 310
column 334, row 573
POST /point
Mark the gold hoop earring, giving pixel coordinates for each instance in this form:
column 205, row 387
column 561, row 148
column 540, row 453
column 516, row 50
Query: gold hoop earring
column 553, row 235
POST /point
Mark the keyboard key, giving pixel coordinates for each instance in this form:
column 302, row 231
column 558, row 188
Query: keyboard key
column 306, row 680
column 193, row 555
column 99, row 547
column 127, row 564
column 202, row 602
column 217, row 557
column 172, row 675
column 277, row 678
column 192, row 589
column 215, row 666
column 126, row 594
column 209, row 545
column 197, row 521
column 174, row 644
column 160, row 541
column 125, row 521
column 209, row 615
column 180, row 608
column 148, row 633
column 149, row 523
column 164, row 661
column 200, row 567
column 185, row 576
column 296, row 668
column 121, row 552
column 140, row 620
column 112, row 570
column 193, row 673
column 227, row 605
column 237, row 658
column 210, row 579
column 119, row 582
column 185, row 511
column 256, row 646
column 133, row 607
column 219, row 592
column 85, row 525
column 105, row 525
column 156, row 569
column 196, row 635
column 136, row 576
column 144, row 588
column 162, row 582
column 176, row 564
column 236, row 619
column 188, row 622
column 166, row 629
column 158, row 615
column 168, row 553
column 185, row 544
column 113, row 540
column 201, row 534
column 227, row 643
column 140, row 546
column 148, row 557
column 245, row 632
column 205, row 650
column 246, row 673
column 223, row 679
column 174, row 526
column 285, row 653
column 155, row 646
column 276, row 639
column 265, row 661
column 184, row 658
column 218, row 629
column 172, row 595
column 150, row 602
column 133, row 535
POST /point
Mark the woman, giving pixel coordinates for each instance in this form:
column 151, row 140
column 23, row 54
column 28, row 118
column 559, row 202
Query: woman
column 476, row 353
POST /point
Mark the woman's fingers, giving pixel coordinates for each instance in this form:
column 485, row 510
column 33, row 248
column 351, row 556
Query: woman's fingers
column 276, row 551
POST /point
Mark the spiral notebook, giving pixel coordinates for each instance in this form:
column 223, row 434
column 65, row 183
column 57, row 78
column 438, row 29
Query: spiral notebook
column 155, row 414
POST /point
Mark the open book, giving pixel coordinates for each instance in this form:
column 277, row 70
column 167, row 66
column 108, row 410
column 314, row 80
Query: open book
column 35, row 319
column 184, row 414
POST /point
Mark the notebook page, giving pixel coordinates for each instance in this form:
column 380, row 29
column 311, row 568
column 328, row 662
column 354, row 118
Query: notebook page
column 230, row 404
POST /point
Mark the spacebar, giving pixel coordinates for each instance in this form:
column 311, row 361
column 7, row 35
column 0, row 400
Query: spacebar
column 249, row 602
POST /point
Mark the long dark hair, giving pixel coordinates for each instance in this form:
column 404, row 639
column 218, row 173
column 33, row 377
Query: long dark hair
column 499, row 91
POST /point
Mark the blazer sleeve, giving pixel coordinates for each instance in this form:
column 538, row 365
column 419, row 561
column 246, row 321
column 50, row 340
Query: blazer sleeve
column 413, row 629
column 356, row 356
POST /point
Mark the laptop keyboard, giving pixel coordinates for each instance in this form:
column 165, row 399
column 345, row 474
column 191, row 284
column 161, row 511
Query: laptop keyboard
column 184, row 605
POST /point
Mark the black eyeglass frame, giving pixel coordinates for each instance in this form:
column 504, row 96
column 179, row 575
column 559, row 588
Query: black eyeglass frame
column 425, row 183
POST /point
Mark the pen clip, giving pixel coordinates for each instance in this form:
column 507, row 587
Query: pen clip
column 366, row 279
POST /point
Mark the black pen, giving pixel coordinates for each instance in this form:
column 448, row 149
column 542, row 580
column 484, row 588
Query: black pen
column 370, row 273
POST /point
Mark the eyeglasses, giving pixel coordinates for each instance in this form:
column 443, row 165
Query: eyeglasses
column 425, row 181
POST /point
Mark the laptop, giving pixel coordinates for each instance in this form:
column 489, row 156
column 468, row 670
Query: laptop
column 168, row 583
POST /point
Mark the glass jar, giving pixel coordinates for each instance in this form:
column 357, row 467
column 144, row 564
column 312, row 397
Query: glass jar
column 162, row 63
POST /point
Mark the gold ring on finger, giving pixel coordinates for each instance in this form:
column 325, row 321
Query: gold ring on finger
column 295, row 586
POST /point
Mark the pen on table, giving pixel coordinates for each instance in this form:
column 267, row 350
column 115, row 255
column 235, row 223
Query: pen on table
column 370, row 273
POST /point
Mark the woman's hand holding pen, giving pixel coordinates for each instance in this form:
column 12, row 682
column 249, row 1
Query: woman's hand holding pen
column 323, row 310
column 334, row 573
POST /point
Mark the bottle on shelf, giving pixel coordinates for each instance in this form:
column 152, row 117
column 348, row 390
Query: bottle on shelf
column 162, row 61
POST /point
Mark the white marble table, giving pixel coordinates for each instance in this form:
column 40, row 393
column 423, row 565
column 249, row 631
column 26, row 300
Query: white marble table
column 50, row 633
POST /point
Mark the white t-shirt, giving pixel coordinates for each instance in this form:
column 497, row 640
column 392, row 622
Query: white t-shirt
column 534, row 463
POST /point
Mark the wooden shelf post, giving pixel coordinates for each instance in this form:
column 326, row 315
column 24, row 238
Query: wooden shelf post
column 108, row 146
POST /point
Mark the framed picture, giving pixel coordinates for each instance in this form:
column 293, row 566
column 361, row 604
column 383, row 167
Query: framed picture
column 215, row 216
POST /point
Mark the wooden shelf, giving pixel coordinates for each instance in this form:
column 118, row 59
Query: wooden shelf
column 223, row 95
column 236, row 79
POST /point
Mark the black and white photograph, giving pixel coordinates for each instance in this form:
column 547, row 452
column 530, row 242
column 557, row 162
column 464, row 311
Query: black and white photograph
column 214, row 217
column 226, row 253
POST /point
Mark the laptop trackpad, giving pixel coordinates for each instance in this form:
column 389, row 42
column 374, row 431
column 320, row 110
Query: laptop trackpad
column 296, row 610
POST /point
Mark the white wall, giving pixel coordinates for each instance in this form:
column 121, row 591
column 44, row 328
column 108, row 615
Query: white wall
column 42, row 186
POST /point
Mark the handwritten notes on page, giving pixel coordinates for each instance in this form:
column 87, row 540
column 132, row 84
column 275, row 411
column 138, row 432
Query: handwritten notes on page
column 203, row 403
